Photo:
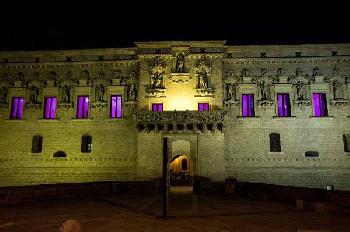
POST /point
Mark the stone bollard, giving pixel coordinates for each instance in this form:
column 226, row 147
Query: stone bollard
column 70, row 225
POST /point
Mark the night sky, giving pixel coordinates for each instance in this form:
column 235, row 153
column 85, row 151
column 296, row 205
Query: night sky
column 66, row 27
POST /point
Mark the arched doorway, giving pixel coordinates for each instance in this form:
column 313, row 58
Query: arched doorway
column 181, row 163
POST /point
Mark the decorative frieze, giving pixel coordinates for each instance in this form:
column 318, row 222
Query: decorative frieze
column 181, row 116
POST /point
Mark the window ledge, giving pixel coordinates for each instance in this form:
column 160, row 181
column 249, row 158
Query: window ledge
column 327, row 117
column 275, row 153
column 244, row 117
column 15, row 120
column 81, row 119
column 347, row 153
column 284, row 117
column 48, row 119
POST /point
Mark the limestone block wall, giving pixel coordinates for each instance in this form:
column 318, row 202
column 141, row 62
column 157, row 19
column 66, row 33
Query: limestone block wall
column 247, row 143
column 113, row 155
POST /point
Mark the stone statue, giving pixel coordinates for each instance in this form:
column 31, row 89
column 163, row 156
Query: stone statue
column 126, row 93
column 67, row 93
column 99, row 92
column 264, row 90
column 230, row 91
column 34, row 94
column 3, row 95
column 133, row 94
column 157, row 74
column 245, row 72
column 203, row 72
column 180, row 63
column 300, row 90
column 203, row 80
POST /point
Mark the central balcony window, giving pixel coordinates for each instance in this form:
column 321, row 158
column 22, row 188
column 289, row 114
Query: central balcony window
column 157, row 107
column 203, row 106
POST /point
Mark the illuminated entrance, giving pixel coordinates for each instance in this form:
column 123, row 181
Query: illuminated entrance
column 182, row 160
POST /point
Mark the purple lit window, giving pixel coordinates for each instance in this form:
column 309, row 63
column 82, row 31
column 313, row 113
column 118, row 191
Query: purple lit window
column 83, row 107
column 203, row 106
column 283, row 105
column 247, row 105
column 17, row 108
column 157, row 107
column 320, row 104
column 50, row 108
column 116, row 106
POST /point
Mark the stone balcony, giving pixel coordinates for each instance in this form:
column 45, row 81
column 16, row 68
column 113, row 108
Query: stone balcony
column 180, row 121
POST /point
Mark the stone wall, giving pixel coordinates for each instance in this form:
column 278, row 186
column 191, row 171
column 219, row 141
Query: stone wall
column 247, row 154
column 222, row 142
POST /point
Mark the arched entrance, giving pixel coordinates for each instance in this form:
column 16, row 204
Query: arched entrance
column 181, row 171
column 182, row 153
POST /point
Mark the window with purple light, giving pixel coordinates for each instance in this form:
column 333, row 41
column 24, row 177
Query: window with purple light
column 248, row 105
column 203, row 106
column 50, row 108
column 116, row 106
column 157, row 107
column 83, row 107
column 283, row 105
column 17, row 108
column 320, row 104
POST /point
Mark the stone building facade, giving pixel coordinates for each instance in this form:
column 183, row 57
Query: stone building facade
column 270, row 114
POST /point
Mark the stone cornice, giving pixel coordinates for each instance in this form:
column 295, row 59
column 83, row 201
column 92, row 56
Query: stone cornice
column 162, row 44
column 74, row 64
column 190, row 56
column 290, row 60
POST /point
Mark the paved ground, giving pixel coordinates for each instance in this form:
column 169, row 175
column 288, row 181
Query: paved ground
column 192, row 213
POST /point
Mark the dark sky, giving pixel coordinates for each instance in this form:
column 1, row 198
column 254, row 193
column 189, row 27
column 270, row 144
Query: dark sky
column 68, row 27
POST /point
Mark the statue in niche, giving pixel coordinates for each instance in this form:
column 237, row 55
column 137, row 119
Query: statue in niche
column 245, row 72
column 203, row 72
column 34, row 94
column 67, row 96
column 300, row 90
column 133, row 92
column 264, row 90
column 157, row 74
column 3, row 95
column 99, row 92
column 180, row 63
column 230, row 91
